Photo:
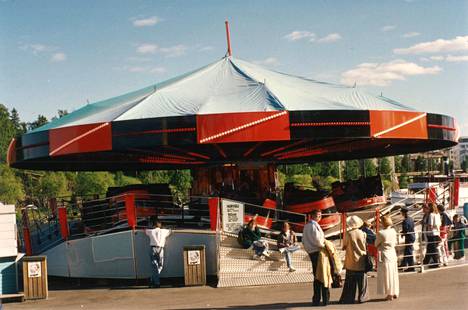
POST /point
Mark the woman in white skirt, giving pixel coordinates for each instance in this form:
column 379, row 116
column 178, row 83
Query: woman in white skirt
column 387, row 266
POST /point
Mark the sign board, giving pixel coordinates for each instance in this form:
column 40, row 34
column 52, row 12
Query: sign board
column 34, row 269
column 232, row 215
column 193, row 257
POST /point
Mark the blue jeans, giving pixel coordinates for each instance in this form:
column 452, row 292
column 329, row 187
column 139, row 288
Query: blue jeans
column 287, row 253
column 260, row 247
column 157, row 261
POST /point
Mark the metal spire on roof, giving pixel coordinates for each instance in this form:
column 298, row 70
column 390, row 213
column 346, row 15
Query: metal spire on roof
column 228, row 38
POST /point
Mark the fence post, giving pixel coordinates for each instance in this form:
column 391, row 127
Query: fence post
column 377, row 220
column 63, row 221
column 421, row 252
column 213, row 203
column 26, row 232
column 130, row 210
column 343, row 226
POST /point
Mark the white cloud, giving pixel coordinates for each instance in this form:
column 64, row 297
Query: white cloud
column 37, row 48
column 299, row 35
column 388, row 28
column 270, row 61
column 332, row 37
column 147, row 48
column 441, row 45
column 460, row 58
column 145, row 22
column 138, row 59
column 437, row 58
column 382, row 74
column 142, row 69
column 174, row 51
column 58, row 57
column 411, row 34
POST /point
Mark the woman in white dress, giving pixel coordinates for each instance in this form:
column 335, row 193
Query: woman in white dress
column 387, row 266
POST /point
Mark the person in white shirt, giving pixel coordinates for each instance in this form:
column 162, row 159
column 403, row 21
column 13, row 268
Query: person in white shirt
column 431, row 232
column 157, row 237
column 313, row 239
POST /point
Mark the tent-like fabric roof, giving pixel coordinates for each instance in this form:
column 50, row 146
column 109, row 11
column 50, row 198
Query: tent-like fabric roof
column 230, row 111
column 229, row 85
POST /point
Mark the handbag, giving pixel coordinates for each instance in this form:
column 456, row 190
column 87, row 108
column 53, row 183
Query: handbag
column 368, row 264
column 337, row 281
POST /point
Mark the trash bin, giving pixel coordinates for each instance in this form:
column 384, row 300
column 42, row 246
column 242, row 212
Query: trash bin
column 194, row 265
column 465, row 210
column 35, row 277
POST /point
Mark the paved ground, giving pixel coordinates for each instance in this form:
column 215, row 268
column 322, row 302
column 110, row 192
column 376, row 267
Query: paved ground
column 441, row 289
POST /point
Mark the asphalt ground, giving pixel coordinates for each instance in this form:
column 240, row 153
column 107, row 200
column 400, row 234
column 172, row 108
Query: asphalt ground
column 444, row 288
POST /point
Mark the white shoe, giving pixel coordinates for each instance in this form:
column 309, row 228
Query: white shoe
column 266, row 254
column 292, row 269
column 255, row 257
column 262, row 257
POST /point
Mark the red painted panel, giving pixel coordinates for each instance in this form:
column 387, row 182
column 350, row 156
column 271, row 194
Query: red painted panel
column 11, row 153
column 80, row 139
column 213, row 204
column 130, row 210
column 456, row 192
column 398, row 124
column 243, row 127
column 62, row 215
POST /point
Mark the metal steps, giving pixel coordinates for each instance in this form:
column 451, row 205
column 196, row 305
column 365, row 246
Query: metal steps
column 238, row 268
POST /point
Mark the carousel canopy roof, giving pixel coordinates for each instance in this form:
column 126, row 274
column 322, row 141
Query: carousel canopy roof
column 230, row 111
column 229, row 85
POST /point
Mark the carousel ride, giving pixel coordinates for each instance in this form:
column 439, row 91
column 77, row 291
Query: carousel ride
column 232, row 123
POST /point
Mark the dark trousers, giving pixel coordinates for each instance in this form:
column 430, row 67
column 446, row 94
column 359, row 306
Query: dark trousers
column 354, row 280
column 432, row 253
column 320, row 291
column 408, row 259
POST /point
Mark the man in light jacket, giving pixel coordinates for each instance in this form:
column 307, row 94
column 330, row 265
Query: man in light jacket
column 313, row 239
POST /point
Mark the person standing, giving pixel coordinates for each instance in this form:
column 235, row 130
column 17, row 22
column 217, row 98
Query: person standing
column 431, row 231
column 407, row 230
column 157, row 237
column 458, row 239
column 355, row 264
column 287, row 244
column 387, row 266
column 446, row 222
column 313, row 239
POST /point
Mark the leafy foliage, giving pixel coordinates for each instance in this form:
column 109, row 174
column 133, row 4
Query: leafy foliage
column 11, row 188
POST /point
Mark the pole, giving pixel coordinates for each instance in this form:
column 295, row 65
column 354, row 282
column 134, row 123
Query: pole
column 228, row 38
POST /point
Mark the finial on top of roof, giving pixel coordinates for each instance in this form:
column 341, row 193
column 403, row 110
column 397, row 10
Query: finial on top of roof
column 228, row 38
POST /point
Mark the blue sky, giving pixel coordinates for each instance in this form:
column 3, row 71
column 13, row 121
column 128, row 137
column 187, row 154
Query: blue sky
column 60, row 54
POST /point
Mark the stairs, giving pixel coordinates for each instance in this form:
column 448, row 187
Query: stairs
column 237, row 268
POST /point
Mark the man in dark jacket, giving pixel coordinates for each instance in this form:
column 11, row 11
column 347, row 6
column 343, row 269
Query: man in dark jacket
column 408, row 232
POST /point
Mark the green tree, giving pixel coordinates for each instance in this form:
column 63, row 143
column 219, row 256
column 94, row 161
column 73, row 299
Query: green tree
column 406, row 164
column 385, row 168
column 421, row 164
column 93, row 183
column 8, row 132
column 11, row 188
column 370, row 168
column 40, row 121
column 120, row 179
column 403, row 181
column 351, row 170
column 464, row 164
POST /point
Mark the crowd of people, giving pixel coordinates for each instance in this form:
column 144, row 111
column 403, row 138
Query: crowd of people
column 442, row 235
column 364, row 249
